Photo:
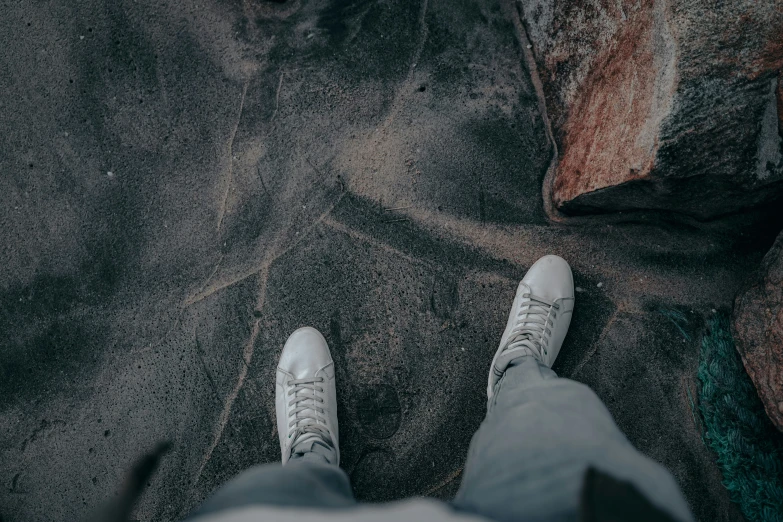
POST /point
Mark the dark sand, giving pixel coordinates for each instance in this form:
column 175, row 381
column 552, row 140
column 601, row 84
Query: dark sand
column 186, row 182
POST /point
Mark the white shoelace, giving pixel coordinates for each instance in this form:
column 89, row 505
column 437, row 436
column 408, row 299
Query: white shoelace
column 533, row 329
column 312, row 421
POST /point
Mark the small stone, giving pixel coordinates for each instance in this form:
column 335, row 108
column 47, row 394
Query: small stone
column 579, row 289
column 599, row 285
column 81, row 37
column 110, row 174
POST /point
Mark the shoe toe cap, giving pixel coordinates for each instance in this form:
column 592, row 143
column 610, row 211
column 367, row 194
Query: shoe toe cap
column 305, row 352
column 550, row 277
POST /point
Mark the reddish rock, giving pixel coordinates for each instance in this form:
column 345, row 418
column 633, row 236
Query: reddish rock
column 758, row 331
column 661, row 104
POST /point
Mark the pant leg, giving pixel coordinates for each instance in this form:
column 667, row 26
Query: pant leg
column 529, row 457
column 308, row 481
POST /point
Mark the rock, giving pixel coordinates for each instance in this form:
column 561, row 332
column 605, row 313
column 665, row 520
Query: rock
column 661, row 104
column 758, row 330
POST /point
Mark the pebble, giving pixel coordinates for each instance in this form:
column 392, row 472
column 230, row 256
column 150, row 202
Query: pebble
column 599, row 285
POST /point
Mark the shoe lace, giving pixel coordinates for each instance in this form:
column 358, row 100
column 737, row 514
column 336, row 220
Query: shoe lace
column 307, row 417
column 534, row 323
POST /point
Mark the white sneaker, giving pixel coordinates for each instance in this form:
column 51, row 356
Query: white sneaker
column 306, row 395
column 539, row 318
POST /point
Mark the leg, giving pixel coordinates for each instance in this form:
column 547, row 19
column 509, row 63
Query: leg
column 309, row 481
column 529, row 457
column 306, row 407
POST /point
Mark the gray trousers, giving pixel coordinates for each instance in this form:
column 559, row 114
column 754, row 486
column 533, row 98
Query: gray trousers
column 526, row 462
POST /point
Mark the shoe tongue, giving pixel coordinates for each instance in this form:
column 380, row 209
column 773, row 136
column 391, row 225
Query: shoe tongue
column 308, row 415
column 307, row 419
